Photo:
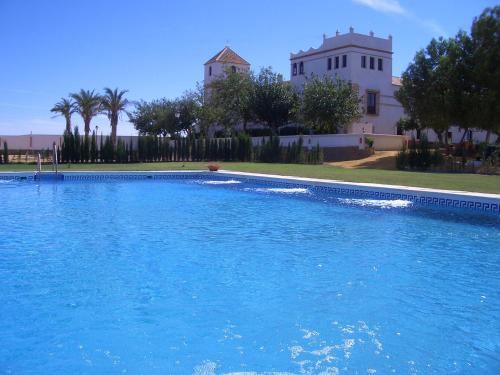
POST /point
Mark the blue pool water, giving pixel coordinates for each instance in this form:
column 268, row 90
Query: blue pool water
column 185, row 277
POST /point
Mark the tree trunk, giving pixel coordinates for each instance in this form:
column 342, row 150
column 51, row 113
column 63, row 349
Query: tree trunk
column 497, row 142
column 463, row 136
column 488, row 134
column 440, row 136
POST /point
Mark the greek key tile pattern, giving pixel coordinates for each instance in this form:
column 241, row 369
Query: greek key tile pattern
column 486, row 205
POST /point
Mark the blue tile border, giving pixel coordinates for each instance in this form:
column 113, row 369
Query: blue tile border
column 486, row 203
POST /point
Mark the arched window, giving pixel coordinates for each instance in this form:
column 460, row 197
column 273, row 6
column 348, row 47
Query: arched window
column 233, row 68
column 294, row 69
column 209, row 70
column 301, row 67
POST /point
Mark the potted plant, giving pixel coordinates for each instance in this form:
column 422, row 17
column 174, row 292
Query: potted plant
column 213, row 167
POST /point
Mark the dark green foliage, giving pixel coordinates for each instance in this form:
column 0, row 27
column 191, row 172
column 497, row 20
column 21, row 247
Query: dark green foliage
column 5, row 153
column 419, row 156
column 329, row 105
column 121, row 155
column 93, row 148
column 77, row 151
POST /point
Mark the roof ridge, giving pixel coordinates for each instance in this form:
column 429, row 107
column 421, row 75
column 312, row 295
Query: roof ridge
column 227, row 55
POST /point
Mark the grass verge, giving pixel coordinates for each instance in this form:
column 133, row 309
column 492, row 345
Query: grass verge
column 447, row 181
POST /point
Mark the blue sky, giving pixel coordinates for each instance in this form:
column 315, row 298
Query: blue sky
column 157, row 48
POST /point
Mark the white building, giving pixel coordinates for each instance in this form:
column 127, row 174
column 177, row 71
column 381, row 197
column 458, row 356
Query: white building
column 366, row 62
column 223, row 60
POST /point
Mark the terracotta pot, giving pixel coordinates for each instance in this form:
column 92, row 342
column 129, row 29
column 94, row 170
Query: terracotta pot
column 213, row 167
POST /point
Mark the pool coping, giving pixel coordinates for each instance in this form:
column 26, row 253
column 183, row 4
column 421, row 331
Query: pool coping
column 485, row 202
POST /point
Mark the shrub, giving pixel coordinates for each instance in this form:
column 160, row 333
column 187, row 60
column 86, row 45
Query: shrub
column 402, row 161
column 369, row 141
column 419, row 156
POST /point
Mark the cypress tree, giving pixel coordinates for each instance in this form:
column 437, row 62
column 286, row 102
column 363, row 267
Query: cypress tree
column 77, row 147
column 131, row 150
column 101, row 148
column 93, row 148
column 5, row 153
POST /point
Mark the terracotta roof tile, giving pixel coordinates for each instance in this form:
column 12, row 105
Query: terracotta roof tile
column 227, row 55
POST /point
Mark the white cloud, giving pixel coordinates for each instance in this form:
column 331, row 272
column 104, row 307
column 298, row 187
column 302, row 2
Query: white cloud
column 393, row 6
column 387, row 6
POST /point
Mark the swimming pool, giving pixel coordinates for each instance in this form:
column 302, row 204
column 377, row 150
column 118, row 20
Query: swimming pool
column 225, row 275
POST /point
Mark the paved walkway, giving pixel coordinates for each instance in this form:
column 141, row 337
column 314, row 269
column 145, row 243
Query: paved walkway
column 379, row 160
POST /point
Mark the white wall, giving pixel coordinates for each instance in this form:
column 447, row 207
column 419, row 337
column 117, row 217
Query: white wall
column 382, row 142
column 45, row 141
column 354, row 46
column 478, row 136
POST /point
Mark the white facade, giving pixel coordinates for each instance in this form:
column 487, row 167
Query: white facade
column 366, row 62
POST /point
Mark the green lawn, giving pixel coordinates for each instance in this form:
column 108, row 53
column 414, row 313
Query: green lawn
column 450, row 181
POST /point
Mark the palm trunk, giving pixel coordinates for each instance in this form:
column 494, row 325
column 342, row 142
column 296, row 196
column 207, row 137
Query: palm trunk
column 114, row 124
column 68, row 124
column 87, row 126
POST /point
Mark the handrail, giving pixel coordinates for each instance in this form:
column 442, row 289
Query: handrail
column 55, row 161
column 39, row 163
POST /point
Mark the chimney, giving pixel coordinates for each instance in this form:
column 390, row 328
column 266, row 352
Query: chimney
column 337, row 33
column 324, row 36
column 390, row 37
column 371, row 33
column 351, row 29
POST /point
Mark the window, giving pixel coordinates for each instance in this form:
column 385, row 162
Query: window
column 336, row 62
column 209, row 70
column 371, row 103
column 372, row 63
column 380, row 64
column 301, row 67
column 329, row 63
column 363, row 62
column 344, row 61
column 233, row 68
column 294, row 69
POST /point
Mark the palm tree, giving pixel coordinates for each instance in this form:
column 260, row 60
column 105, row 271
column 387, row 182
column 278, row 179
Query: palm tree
column 88, row 105
column 65, row 107
column 113, row 103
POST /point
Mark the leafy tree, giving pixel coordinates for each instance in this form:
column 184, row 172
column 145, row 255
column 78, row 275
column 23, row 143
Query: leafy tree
column 65, row 107
column 156, row 117
column 274, row 101
column 485, row 35
column 231, row 96
column 113, row 103
column 424, row 92
column 329, row 105
column 205, row 110
column 186, row 113
column 88, row 105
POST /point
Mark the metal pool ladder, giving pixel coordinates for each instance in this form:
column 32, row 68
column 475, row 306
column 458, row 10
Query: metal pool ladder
column 55, row 161
column 38, row 164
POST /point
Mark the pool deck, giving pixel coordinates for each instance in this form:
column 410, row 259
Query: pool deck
column 488, row 203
